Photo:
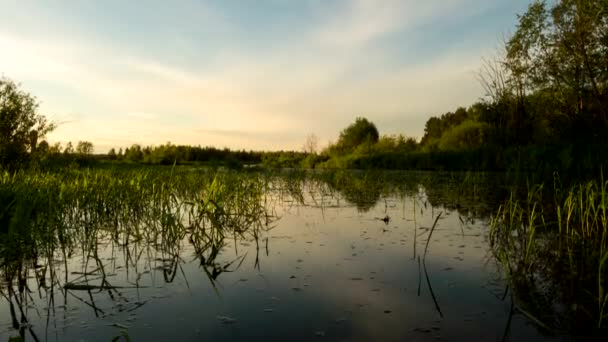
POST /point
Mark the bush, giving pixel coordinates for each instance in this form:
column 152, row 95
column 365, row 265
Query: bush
column 465, row 136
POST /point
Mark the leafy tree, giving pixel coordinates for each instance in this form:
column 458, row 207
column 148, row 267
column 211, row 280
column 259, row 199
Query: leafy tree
column 56, row 148
column 20, row 124
column 134, row 153
column 43, row 147
column 69, row 149
column 84, row 147
column 360, row 132
column 562, row 50
column 395, row 143
column 436, row 126
column 406, row 144
column 466, row 136
column 112, row 154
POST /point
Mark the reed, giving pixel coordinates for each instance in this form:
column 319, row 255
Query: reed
column 76, row 211
column 554, row 246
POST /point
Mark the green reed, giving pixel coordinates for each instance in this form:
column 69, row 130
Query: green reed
column 554, row 249
column 49, row 214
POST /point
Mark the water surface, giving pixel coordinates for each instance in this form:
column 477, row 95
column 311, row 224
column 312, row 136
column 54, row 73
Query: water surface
column 330, row 263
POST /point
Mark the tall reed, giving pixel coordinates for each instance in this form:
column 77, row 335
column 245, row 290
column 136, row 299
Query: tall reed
column 554, row 248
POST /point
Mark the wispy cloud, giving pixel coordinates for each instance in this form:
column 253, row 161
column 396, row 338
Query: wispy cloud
column 196, row 77
column 359, row 22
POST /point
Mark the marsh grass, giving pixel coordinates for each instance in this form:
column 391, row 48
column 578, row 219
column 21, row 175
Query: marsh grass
column 553, row 247
column 150, row 216
column 48, row 218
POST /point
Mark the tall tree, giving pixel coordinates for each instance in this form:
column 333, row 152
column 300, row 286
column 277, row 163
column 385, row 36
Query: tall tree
column 563, row 50
column 357, row 133
column 69, row 149
column 112, row 154
column 84, row 147
column 20, row 124
column 311, row 144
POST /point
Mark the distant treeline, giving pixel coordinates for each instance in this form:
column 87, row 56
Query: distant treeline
column 167, row 154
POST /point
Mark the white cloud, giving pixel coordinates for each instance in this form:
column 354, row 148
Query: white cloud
column 361, row 21
column 316, row 82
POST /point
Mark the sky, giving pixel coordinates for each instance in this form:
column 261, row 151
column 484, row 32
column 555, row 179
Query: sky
column 247, row 74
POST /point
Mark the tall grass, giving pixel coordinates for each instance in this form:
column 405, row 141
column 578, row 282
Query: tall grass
column 554, row 248
column 48, row 218
column 48, row 215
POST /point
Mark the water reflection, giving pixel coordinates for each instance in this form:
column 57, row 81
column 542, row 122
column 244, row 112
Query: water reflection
column 361, row 256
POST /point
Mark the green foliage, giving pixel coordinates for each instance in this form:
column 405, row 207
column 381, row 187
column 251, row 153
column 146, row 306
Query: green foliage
column 75, row 213
column 84, row 147
column 435, row 127
column 43, row 147
column 112, row 154
column 169, row 154
column 20, row 124
column 55, row 148
column 395, row 143
column 283, row 159
column 41, row 211
column 546, row 109
column 69, row 149
column 360, row 132
column 467, row 135
column 311, row 161
column 360, row 143
column 559, row 50
column 557, row 241
column 134, row 153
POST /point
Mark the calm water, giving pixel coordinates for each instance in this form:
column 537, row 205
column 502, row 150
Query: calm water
column 326, row 269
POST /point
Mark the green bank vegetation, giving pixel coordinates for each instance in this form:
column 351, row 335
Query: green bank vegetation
column 552, row 243
column 545, row 107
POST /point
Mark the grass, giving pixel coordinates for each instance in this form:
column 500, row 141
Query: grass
column 551, row 241
column 554, row 249
column 55, row 216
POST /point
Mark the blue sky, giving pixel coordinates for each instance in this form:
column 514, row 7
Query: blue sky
column 247, row 74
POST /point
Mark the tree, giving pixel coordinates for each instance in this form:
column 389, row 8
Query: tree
column 20, row 124
column 408, row 144
column 112, row 154
column 311, row 144
column 84, row 147
column 43, row 147
column 360, row 132
column 56, row 148
column 465, row 136
column 69, row 149
column 562, row 50
column 134, row 153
